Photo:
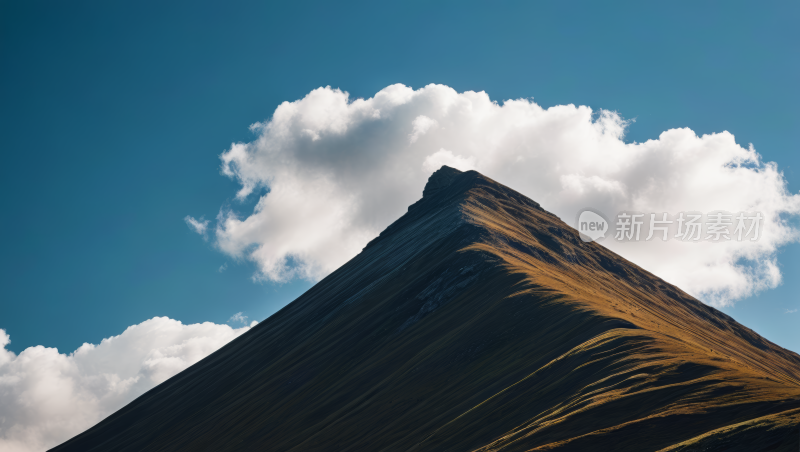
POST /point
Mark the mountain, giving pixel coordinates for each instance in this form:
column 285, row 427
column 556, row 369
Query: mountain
column 477, row 321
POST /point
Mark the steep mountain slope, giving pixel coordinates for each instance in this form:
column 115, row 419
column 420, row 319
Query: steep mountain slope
column 477, row 322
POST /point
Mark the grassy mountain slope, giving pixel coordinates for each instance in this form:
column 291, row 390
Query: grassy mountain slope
column 476, row 322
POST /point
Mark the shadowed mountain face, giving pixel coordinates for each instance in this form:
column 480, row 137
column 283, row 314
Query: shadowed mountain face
column 477, row 322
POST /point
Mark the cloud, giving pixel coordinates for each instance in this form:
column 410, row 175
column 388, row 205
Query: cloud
column 223, row 267
column 445, row 157
column 47, row 397
column 238, row 317
column 338, row 171
column 199, row 226
column 421, row 125
column 791, row 311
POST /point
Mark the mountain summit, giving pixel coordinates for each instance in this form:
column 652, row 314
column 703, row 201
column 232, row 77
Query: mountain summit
column 477, row 321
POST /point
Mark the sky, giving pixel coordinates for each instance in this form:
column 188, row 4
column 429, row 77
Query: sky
column 115, row 116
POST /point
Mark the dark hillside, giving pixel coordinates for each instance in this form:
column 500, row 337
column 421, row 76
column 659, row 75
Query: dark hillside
column 477, row 321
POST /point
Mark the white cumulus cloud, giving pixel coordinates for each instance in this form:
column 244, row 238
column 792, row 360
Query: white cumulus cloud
column 47, row 397
column 339, row 170
column 421, row 125
column 238, row 317
column 445, row 157
column 199, row 226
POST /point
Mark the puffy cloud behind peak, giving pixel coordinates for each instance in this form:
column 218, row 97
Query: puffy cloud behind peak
column 338, row 171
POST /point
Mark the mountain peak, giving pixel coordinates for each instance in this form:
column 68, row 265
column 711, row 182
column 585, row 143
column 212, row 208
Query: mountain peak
column 440, row 179
column 477, row 321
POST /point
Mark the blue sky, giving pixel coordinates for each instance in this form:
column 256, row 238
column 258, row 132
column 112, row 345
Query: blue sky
column 114, row 116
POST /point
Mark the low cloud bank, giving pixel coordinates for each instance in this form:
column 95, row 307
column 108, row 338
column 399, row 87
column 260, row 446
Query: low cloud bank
column 338, row 171
column 47, row 397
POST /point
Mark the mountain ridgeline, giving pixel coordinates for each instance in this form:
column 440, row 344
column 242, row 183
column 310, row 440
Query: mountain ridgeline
column 477, row 321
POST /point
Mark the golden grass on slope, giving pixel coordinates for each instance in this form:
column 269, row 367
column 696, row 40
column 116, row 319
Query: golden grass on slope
column 747, row 371
column 571, row 267
column 772, row 432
